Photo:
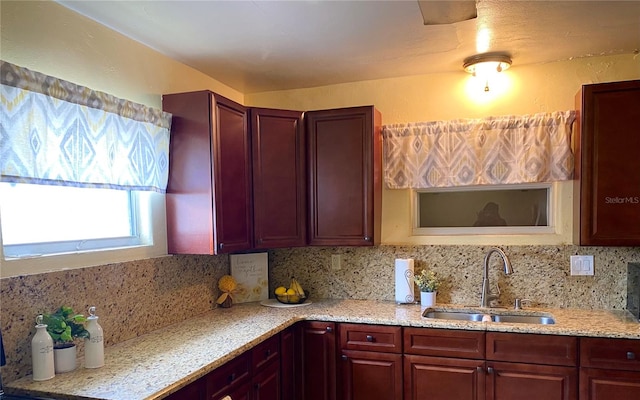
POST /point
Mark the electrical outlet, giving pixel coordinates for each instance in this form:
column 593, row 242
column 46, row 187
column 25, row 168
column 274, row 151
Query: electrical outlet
column 335, row 262
column 581, row 265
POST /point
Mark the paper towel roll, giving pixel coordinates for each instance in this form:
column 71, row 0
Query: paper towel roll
column 404, row 280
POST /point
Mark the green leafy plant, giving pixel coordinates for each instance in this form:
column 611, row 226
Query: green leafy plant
column 64, row 326
column 427, row 281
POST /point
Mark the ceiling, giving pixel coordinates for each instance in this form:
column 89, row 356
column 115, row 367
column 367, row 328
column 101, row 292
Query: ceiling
column 255, row 46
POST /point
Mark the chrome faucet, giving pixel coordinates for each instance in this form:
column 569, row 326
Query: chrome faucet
column 487, row 296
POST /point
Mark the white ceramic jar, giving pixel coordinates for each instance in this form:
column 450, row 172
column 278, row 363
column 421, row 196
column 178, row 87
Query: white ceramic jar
column 94, row 344
column 42, row 352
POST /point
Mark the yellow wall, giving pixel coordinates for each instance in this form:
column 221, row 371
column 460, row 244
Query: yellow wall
column 528, row 89
column 46, row 37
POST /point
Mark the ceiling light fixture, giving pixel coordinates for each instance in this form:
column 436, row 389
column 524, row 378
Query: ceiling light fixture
column 485, row 66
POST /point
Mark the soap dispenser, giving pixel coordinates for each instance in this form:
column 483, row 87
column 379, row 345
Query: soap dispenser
column 42, row 352
column 94, row 344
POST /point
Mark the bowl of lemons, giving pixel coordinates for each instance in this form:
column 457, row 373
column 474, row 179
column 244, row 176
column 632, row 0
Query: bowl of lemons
column 292, row 295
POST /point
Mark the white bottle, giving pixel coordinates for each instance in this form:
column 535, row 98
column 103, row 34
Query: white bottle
column 42, row 352
column 94, row 344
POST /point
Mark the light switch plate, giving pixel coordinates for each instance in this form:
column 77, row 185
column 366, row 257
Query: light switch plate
column 581, row 265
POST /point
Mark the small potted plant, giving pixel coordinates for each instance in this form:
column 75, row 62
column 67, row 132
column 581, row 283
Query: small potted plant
column 64, row 326
column 428, row 283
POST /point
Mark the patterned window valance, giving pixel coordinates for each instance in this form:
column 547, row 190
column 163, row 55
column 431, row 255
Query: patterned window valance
column 58, row 133
column 496, row 150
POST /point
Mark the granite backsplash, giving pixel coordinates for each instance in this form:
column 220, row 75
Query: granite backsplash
column 136, row 297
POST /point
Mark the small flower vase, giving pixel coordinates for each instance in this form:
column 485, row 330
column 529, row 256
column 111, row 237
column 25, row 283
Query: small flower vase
column 427, row 299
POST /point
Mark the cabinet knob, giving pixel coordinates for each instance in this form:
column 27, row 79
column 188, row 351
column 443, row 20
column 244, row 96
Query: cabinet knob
column 344, row 357
column 370, row 338
column 631, row 355
column 267, row 353
column 479, row 369
column 232, row 377
column 220, row 246
column 490, row 370
column 329, row 329
column 257, row 386
column 367, row 239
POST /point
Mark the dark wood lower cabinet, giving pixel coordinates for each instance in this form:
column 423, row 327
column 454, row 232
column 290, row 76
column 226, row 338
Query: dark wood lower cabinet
column 440, row 378
column 308, row 362
column 507, row 381
column 605, row 384
column 266, row 384
column 371, row 375
column 319, row 360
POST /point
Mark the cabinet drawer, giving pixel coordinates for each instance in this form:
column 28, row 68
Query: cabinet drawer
column 384, row 339
column 534, row 349
column 265, row 352
column 444, row 342
column 610, row 353
column 229, row 375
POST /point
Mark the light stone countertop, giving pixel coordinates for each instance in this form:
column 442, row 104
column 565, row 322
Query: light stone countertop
column 159, row 363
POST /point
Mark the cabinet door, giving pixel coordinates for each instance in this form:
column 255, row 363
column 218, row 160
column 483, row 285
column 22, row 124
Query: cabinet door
column 605, row 384
column 507, row 381
column 370, row 375
column 209, row 189
column 231, row 152
column 608, row 166
column 266, row 384
column 345, row 176
column 319, row 364
column 440, row 378
column 291, row 362
column 279, row 199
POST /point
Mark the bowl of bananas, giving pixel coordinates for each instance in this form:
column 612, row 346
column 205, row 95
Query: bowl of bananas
column 293, row 295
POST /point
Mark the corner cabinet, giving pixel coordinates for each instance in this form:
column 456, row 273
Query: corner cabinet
column 279, row 179
column 344, row 153
column 209, row 190
column 607, row 190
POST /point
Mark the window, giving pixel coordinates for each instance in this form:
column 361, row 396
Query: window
column 503, row 209
column 41, row 219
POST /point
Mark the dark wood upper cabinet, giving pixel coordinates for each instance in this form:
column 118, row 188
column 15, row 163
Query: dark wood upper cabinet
column 607, row 190
column 279, row 189
column 209, row 191
column 344, row 153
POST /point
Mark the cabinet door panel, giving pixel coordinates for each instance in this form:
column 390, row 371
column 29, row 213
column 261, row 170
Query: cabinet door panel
column 266, row 384
column 610, row 353
column 444, row 342
column 279, row 199
column 370, row 375
column 439, row 378
column 344, row 176
column 291, row 362
column 608, row 168
column 507, row 381
column 531, row 348
column 602, row 384
column 232, row 176
column 319, row 364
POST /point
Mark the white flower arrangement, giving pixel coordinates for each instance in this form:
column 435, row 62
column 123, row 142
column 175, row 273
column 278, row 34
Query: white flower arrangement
column 427, row 281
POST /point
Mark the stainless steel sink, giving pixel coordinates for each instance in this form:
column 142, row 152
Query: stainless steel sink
column 455, row 315
column 489, row 317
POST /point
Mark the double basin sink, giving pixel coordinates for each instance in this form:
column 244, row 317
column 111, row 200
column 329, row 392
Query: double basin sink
column 490, row 316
